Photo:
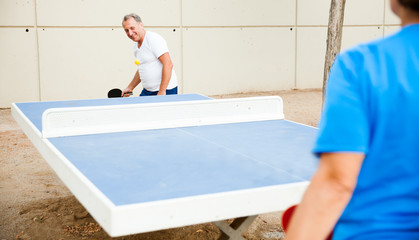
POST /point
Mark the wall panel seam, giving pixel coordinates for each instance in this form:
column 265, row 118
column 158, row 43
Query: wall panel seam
column 181, row 48
column 37, row 51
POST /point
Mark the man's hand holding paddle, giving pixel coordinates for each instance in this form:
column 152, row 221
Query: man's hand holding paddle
column 126, row 92
column 116, row 92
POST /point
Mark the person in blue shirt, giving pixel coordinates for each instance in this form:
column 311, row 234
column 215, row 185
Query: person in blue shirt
column 367, row 182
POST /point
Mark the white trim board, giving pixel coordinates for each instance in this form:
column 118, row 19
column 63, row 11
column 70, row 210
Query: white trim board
column 59, row 122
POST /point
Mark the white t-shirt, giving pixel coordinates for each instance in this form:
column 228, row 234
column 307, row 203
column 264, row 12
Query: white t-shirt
column 150, row 68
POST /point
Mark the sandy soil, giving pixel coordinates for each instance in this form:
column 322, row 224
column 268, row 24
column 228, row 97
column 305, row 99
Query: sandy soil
column 35, row 204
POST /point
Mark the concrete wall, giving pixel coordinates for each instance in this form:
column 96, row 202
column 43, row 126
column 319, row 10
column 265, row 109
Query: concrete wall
column 77, row 49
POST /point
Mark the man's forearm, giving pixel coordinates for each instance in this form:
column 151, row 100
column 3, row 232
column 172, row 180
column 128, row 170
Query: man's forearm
column 165, row 79
column 327, row 196
column 135, row 81
column 316, row 219
column 166, row 72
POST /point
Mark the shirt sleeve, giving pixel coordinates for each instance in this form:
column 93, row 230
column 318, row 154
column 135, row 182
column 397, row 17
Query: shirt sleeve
column 344, row 122
column 158, row 45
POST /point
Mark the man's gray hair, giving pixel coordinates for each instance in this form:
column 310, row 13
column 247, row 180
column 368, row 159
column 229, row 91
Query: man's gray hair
column 132, row 15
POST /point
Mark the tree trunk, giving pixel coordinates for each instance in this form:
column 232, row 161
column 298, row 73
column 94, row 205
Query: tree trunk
column 334, row 36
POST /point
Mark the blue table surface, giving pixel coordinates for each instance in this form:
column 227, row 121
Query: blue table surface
column 143, row 166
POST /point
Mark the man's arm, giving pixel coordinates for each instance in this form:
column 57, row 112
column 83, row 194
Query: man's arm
column 134, row 83
column 166, row 72
column 326, row 197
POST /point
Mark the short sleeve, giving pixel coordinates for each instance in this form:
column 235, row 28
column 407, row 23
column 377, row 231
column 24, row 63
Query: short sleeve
column 344, row 122
column 158, row 45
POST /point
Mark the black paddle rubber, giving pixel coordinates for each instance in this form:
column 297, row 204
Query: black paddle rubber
column 116, row 92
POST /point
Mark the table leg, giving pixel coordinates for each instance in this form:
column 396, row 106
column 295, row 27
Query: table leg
column 234, row 230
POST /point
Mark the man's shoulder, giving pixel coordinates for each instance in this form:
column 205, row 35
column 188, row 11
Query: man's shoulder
column 153, row 35
column 156, row 42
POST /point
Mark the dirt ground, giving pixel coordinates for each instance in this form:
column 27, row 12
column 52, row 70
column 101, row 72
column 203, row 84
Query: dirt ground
column 35, row 204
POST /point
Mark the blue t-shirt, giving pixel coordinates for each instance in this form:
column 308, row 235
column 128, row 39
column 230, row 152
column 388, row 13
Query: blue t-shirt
column 372, row 107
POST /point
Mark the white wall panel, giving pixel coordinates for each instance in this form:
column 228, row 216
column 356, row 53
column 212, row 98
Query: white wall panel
column 217, row 46
column 227, row 60
column 352, row 36
column 311, row 12
column 18, row 66
column 17, row 13
column 91, row 61
column 83, row 63
column 238, row 12
column 106, row 13
column 391, row 30
column 364, row 12
column 311, row 50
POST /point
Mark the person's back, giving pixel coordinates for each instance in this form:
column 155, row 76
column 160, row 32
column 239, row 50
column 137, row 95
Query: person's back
column 382, row 80
column 367, row 182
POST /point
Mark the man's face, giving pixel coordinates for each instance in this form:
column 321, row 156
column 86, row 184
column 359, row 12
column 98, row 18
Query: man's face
column 133, row 29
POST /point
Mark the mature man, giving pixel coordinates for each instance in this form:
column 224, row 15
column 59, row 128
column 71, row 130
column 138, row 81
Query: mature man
column 367, row 183
column 155, row 67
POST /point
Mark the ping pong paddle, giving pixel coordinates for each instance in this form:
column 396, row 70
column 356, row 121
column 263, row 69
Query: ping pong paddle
column 116, row 92
column 286, row 218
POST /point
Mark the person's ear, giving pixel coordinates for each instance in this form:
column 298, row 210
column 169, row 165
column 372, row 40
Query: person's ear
column 395, row 6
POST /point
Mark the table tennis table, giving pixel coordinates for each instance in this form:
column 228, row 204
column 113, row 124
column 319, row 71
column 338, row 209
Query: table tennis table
column 143, row 164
